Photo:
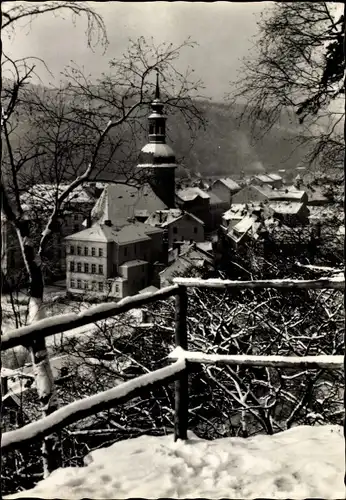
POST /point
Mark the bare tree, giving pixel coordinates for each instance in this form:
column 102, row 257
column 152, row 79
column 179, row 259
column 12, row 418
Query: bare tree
column 81, row 125
column 296, row 72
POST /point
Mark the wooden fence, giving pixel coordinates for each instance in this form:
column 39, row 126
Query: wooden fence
column 177, row 371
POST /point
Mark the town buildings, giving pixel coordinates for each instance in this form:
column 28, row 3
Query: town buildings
column 177, row 226
column 132, row 228
column 37, row 204
column 224, row 189
column 111, row 260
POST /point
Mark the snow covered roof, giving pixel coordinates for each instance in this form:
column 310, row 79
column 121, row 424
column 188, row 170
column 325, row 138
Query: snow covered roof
column 286, row 207
column 229, row 183
column 191, row 193
column 164, row 218
column 134, row 263
column 264, row 178
column 244, row 225
column 121, row 202
column 158, row 149
column 191, row 258
column 130, row 233
column 275, row 177
column 39, row 195
column 238, row 210
column 286, row 194
column 314, row 193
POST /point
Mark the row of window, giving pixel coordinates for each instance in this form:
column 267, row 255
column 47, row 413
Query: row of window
column 90, row 285
column 85, row 251
column 87, row 268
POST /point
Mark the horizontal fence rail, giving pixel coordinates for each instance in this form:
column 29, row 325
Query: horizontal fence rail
column 177, row 371
column 336, row 283
column 321, row 361
column 91, row 405
column 60, row 324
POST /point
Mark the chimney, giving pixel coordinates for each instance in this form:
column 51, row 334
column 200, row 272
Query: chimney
column 89, row 220
column 108, row 223
column 4, row 386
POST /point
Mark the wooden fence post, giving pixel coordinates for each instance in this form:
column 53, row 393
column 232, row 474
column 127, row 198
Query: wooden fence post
column 182, row 383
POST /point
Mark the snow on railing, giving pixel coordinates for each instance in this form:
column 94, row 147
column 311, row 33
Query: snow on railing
column 91, row 405
column 336, row 283
column 311, row 362
column 177, row 371
column 65, row 322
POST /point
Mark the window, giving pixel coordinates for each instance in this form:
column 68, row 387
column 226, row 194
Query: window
column 175, row 230
column 93, row 268
column 76, row 228
column 86, row 285
column 125, row 252
column 72, row 250
column 100, row 287
column 79, row 267
column 72, row 266
column 79, row 251
column 79, row 284
column 100, row 269
column 151, row 128
column 86, row 268
column 195, row 230
column 100, row 252
column 93, row 251
column 93, row 285
column 72, row 284
column 86, row 251
column 117, row 289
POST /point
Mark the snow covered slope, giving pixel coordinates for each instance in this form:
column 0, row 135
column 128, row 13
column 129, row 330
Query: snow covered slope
column 299, row 463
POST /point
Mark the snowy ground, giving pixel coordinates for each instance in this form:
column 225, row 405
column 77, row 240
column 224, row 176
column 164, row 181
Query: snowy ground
column 299, row 463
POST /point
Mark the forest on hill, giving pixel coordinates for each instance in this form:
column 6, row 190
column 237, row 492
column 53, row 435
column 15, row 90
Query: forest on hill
column 224, row 146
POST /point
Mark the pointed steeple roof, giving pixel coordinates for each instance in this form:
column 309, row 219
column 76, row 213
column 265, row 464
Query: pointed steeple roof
column 157, row 88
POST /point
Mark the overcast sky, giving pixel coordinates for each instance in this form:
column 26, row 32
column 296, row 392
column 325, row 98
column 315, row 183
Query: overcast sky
column 223, row 30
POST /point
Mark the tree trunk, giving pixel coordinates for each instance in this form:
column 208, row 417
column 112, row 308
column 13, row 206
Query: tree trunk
column 51, row 454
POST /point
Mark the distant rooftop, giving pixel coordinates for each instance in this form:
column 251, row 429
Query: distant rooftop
column 191, row 193
column 286, row 207
column 231, row 184
column 41, row 195
column 162, row 218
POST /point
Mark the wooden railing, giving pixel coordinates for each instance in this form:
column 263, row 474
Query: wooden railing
column 178, row 371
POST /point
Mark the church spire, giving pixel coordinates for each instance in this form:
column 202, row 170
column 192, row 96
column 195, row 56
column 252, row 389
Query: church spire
column 157, row 158
column 157, row 120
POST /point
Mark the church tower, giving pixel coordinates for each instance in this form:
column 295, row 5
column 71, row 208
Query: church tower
column 157, row 159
